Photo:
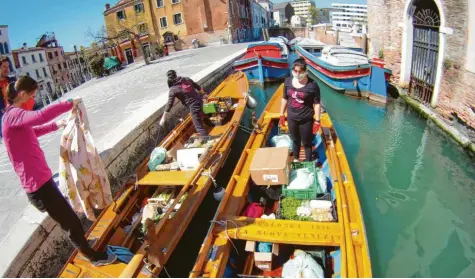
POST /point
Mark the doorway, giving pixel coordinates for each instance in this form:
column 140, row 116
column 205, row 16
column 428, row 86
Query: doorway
column 129, row 56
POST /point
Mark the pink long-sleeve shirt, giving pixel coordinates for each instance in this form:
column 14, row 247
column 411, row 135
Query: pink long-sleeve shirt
column 21, row 129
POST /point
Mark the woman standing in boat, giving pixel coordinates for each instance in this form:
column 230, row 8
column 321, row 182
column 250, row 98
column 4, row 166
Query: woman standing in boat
column 191, row 96
column 302, row 100
column 21, row 129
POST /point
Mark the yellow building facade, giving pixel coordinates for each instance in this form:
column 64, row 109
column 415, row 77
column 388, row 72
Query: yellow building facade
column 153, row 21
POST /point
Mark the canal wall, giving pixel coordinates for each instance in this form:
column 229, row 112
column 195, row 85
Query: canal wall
column 36, row 246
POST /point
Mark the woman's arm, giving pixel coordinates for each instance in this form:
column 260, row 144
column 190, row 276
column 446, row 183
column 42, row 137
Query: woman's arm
column 171, row 100
column 45, row 129
column 40, row 117
column 283, row 103
column 195, row 85
column 316, row 102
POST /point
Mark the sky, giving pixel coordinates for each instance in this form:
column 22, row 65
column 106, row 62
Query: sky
column 27, row 20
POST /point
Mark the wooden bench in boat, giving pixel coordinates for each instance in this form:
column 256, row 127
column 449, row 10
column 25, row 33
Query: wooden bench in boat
column 166, row 178
column 281, row 231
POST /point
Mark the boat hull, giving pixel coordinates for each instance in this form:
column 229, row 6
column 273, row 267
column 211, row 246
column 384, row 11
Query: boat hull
column 217, row 257
column 263, row 63
column 365, row 80
column 191, row 185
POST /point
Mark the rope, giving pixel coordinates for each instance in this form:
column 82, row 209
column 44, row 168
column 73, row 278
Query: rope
column 224, row 223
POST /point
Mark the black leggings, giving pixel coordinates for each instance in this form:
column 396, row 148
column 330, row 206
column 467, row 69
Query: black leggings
column 49, row 199
column 197, row 118
column 301, row 131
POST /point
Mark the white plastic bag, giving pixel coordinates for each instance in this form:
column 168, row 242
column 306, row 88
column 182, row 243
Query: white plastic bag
column 322, row 180
column 282, row 141
column 302, row 266
column 301, row 179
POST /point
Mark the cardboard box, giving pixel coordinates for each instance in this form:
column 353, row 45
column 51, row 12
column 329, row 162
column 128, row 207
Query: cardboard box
column 191, row 158
column 270, row 166
column 263, row 261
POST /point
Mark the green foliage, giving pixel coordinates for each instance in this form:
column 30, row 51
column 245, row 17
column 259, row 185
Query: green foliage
column 313, row 15
column 381, row 54
column 97, row 66
column 288, row 207
column 447, row 64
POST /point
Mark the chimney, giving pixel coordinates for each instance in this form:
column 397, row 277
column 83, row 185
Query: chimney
column 24, row 46
column 108, row 6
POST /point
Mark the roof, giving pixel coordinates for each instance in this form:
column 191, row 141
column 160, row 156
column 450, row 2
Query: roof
column 29, row 49
column 281, row 5
column 121, row 4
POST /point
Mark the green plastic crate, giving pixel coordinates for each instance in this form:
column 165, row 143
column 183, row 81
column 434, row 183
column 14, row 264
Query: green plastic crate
column 307, row 194
column 209, row 108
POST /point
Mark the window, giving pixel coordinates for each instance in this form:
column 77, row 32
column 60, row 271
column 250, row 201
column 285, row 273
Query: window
column 33, row 58
column 5, row 45
column 45, row 73
column 64, row 65
column 56, row 53
column 23, row 58
column 177, row 19
column 138, row 8
column 50, row 55
column 121, row 15
column 41, row 57
column 163, row 22
column 37, row 73
column 160, row 3
column 28, row 74
column 143, row 28
column 1, row 49
column 175, row 1
column 59, row 66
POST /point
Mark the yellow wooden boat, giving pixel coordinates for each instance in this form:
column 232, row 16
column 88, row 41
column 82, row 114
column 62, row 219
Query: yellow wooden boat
column 343, row 241
column 120, row 224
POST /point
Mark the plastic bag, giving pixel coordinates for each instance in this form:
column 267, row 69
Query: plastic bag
column 322, row 180
column 302, row 266
column 301, row 179
column 282, row 141
column 156, row 158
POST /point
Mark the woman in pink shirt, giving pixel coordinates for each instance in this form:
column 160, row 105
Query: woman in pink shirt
column 21, row 128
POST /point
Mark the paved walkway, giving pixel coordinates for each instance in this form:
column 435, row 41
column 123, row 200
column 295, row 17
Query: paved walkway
column 109, row 101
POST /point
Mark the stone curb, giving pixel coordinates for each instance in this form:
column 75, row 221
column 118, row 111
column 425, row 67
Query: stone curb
column 455, row 134
column 35, row 245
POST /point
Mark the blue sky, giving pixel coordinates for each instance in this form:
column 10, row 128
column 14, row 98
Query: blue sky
column 27, row 20
column 68, row 19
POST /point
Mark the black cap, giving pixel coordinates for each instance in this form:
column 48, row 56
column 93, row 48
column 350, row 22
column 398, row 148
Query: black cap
column 171, row 74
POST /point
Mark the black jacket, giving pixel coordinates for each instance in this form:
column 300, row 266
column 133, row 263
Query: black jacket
column 188, row 92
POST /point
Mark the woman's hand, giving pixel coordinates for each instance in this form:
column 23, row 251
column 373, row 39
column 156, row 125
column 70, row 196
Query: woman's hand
column 282, row 121
column 316, row 127
column 76, row 101
column 61, row 123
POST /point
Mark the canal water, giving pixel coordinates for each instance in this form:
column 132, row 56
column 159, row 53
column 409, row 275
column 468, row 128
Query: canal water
column 416, row 188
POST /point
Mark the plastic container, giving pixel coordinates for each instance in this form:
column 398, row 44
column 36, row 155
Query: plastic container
column 209, row 108
column 306, row 194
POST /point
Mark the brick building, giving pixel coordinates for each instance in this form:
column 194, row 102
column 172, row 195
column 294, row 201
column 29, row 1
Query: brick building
column 56, row 62
column 176, row 23
column 430, row 46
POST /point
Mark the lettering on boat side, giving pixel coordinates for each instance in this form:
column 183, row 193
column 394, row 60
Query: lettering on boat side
column 323, row 237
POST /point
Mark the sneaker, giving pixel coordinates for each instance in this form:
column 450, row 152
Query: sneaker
column 110, row 260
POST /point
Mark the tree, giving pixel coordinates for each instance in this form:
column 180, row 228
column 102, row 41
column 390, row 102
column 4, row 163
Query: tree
column 123, row 29
column 313, row 15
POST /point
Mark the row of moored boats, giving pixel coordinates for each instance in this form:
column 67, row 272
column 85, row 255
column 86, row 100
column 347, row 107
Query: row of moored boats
column 346, row 70
column 267, row 223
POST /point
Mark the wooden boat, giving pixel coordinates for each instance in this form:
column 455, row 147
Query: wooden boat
column 117, row 224
column 264, row 62
column 223, row 253
column 348, row 71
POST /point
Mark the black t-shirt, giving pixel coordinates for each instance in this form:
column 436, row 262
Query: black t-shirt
column 300, row 101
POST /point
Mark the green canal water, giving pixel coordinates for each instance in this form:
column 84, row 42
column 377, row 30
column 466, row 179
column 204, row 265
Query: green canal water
column 416, row 188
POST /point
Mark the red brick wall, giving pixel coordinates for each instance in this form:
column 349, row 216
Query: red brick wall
column 456, row 96
column 322, row 36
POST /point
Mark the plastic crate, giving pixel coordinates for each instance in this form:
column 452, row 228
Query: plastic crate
column 307, row 194
column 209, row 108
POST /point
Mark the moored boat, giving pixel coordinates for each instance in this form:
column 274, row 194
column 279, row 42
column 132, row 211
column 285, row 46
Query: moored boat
column 348, row 71
column 153, row 211
column 332, row 242
column 263, row 62
column 312, row 46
